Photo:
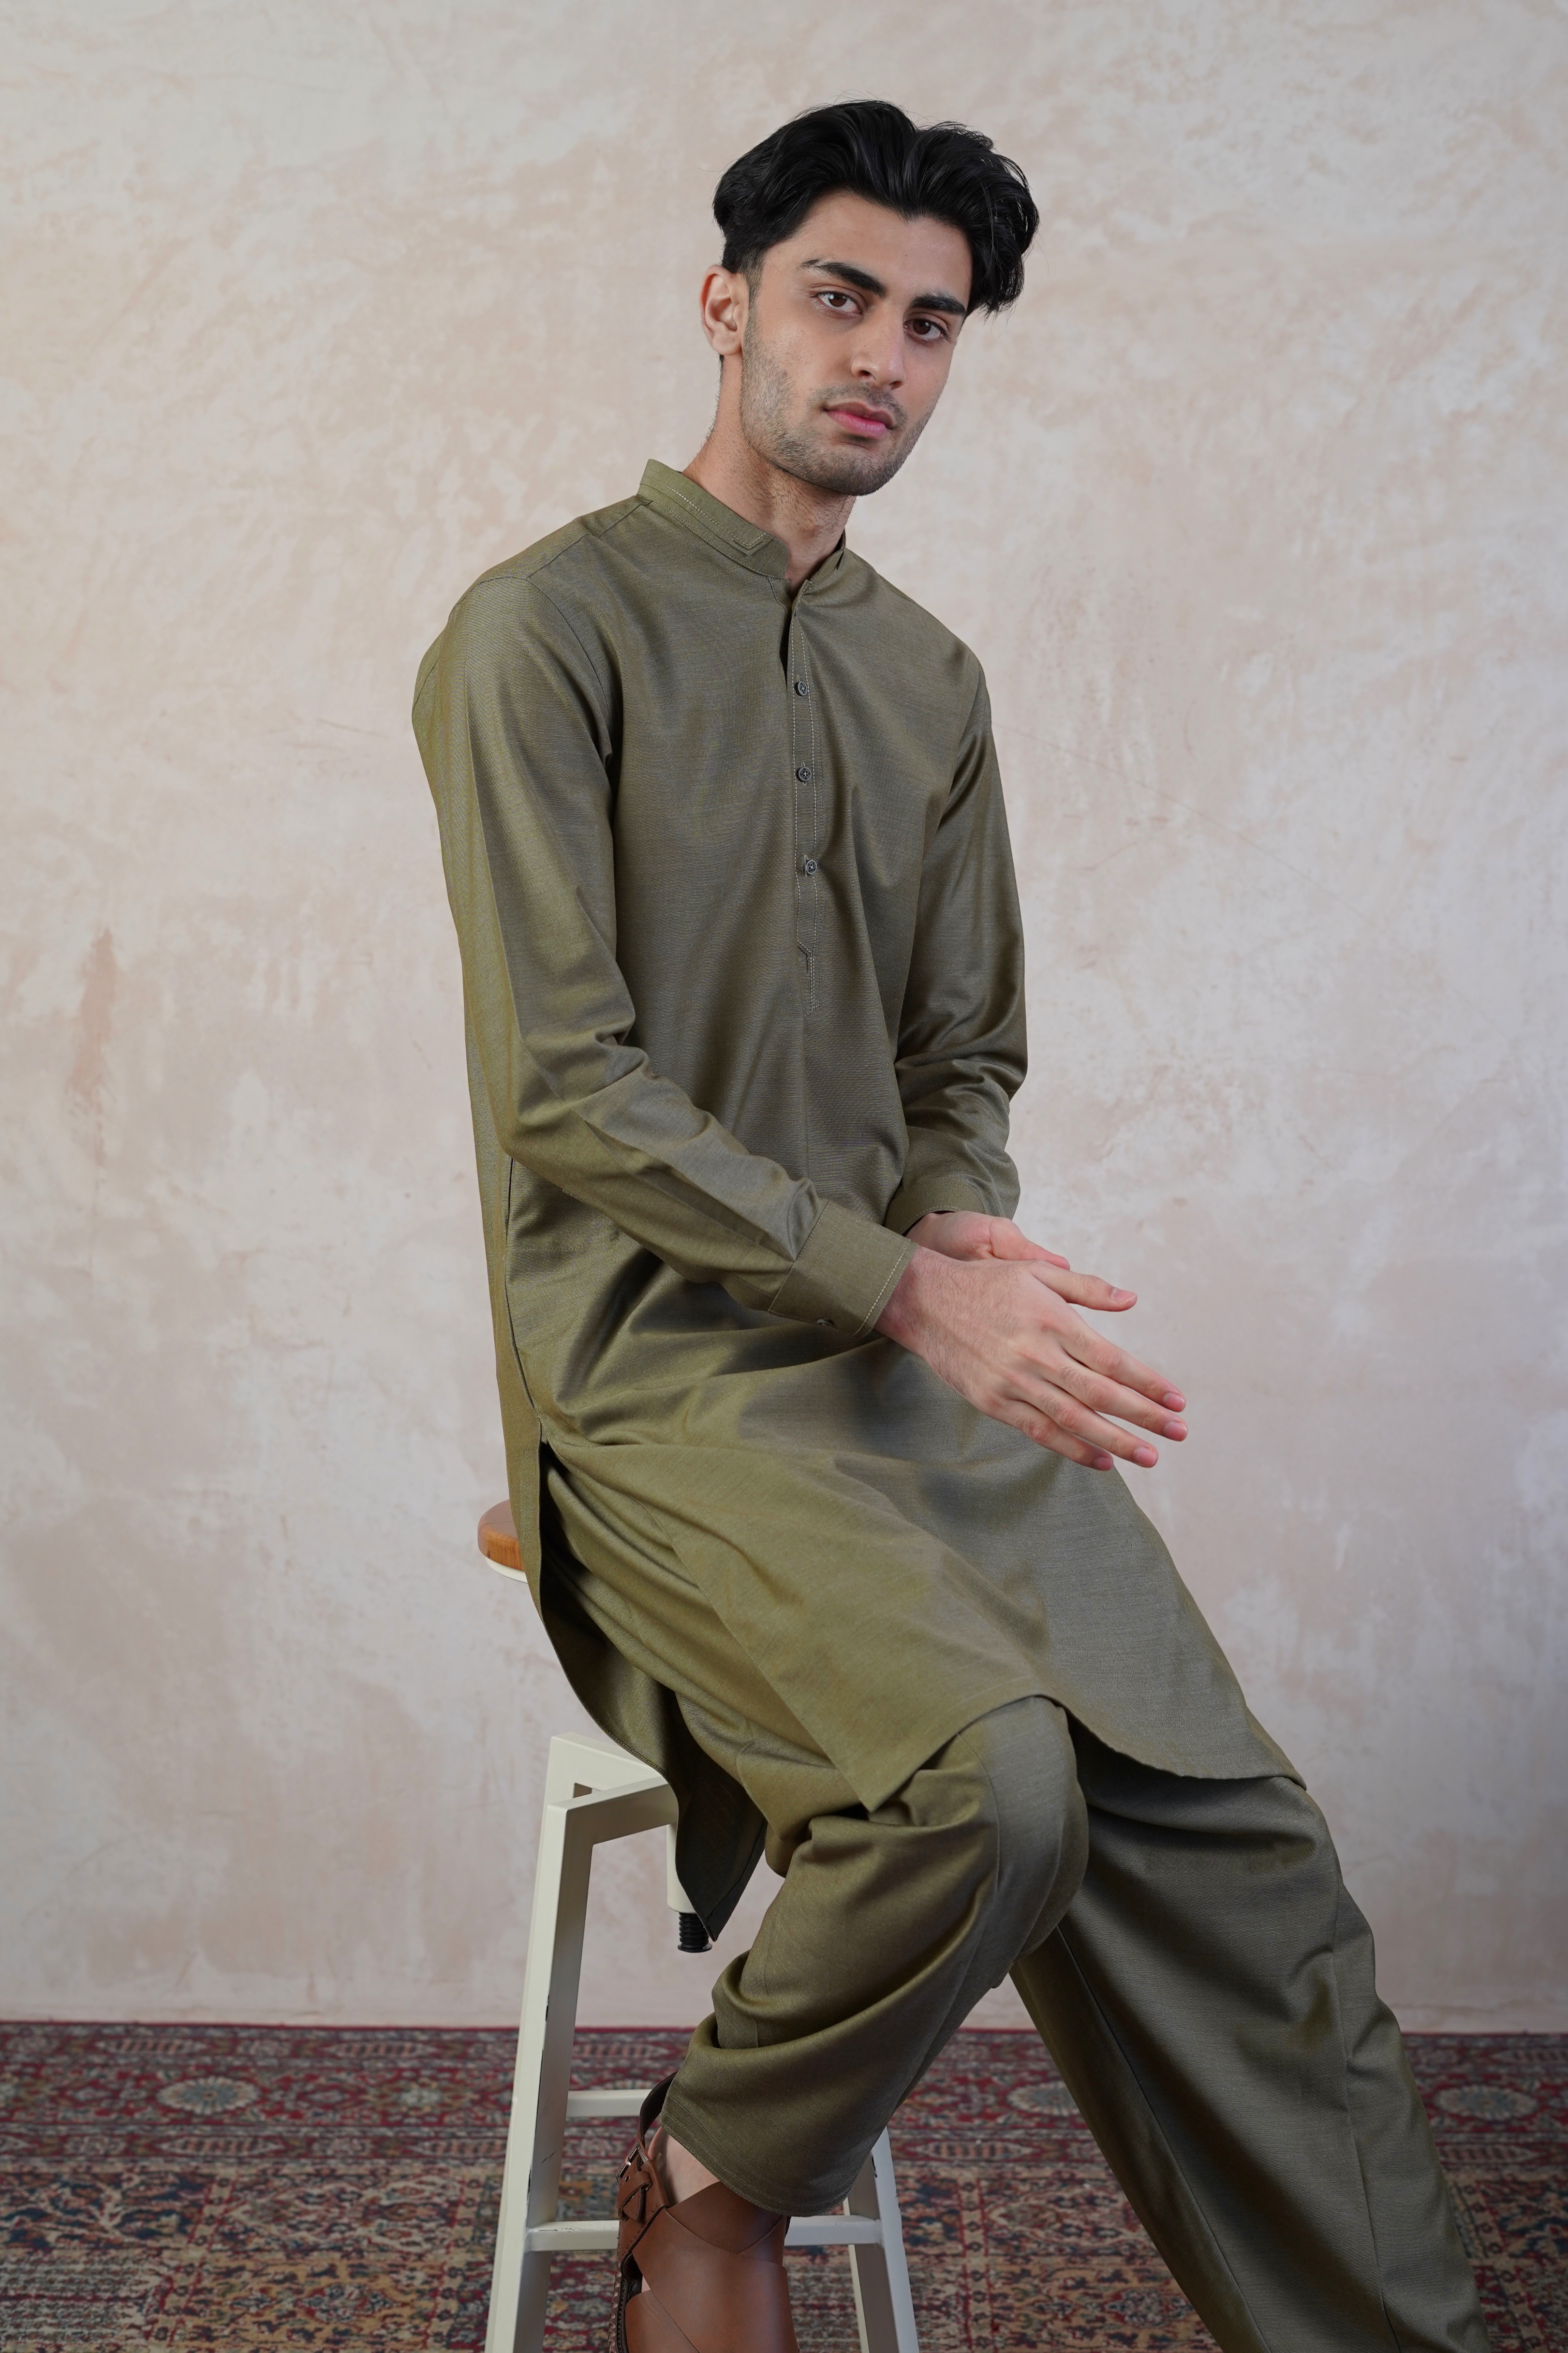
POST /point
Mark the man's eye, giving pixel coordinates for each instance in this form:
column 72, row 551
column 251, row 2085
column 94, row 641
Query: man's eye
column 929, row 331
column 831, row 294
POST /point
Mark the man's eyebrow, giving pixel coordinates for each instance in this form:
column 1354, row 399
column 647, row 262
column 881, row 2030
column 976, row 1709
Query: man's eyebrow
column 869, row 285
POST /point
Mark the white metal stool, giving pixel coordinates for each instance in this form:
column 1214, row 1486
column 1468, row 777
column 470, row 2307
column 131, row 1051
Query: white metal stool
column 593, row 1792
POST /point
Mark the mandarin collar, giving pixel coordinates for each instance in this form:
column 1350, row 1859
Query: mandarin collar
column 686, row 502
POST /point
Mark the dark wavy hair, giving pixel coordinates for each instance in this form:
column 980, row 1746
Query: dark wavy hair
column 945, row 173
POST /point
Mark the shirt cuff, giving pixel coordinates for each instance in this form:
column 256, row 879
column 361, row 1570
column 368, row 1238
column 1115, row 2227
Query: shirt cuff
column 845, row 1274
column 916, row 1199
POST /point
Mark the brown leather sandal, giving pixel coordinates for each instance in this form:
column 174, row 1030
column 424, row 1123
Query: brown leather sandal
column 704, row 2274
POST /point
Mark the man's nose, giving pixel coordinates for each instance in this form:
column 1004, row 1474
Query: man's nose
column 880, row 351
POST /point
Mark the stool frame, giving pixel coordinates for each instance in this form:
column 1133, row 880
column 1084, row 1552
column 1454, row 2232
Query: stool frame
column 595, row 1792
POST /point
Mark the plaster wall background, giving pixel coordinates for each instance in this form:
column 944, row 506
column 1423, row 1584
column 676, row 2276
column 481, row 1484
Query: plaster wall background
column 1254, row 510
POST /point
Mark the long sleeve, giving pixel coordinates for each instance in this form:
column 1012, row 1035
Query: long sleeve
column 516, row 727
column 962, row 1053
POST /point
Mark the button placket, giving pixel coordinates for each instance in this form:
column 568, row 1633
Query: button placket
column 802, row 748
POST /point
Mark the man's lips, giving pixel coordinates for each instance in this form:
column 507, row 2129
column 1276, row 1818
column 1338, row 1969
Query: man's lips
column 867, row 424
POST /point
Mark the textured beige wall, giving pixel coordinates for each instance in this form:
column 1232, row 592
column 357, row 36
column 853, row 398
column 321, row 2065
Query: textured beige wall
column 1255, row 512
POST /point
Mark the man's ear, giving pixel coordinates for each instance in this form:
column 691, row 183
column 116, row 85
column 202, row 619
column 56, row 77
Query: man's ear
column 725, row 303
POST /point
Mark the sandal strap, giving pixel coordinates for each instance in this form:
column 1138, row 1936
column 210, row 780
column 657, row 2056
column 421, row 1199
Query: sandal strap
column 640, row 2194
column 713, row 2299
column 712, row 2266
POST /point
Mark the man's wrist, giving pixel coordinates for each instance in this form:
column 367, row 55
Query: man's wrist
column 910, row 1231
column 900, row 1316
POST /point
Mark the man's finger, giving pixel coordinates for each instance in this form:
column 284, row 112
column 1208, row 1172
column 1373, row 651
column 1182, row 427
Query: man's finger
column 1084, row 1290
column 1104, row 1357
column 1108, row 1396
column 1008, row 1241
column 1090, row 1431
column 1050, row 1434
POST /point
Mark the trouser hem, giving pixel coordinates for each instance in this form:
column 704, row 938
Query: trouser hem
column 695, row 2131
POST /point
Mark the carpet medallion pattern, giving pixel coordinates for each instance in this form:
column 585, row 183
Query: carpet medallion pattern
column 280, row 2188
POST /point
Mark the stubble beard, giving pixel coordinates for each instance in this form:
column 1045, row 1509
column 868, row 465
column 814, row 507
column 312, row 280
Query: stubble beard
column 852, row 473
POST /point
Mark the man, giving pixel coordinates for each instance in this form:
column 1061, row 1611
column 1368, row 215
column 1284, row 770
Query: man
column 810, row 1451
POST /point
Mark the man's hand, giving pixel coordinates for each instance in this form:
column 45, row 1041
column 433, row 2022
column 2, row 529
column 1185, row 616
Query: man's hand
column 989, row 1311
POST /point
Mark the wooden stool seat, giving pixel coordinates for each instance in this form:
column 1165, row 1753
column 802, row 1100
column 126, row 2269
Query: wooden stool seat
column 498, row 1540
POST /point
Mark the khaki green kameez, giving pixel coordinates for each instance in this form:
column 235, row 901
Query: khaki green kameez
column 744, row 983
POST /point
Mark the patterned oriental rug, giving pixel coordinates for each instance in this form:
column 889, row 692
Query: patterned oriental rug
column 241, row 2187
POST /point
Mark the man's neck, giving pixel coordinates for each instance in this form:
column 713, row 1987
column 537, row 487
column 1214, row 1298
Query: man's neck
column 809, row 521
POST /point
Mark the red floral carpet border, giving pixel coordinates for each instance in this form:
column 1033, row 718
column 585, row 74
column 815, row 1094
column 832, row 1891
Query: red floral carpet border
column 247, row 2187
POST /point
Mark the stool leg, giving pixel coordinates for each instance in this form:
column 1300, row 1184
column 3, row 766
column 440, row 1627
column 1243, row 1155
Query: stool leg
column 883, row 2306
column 531, row 2183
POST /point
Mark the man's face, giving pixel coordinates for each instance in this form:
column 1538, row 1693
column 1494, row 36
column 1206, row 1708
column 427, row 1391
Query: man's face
column 847, row 338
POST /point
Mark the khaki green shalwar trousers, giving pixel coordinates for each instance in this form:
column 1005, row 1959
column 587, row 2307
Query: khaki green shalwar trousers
column 1185, row 1946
